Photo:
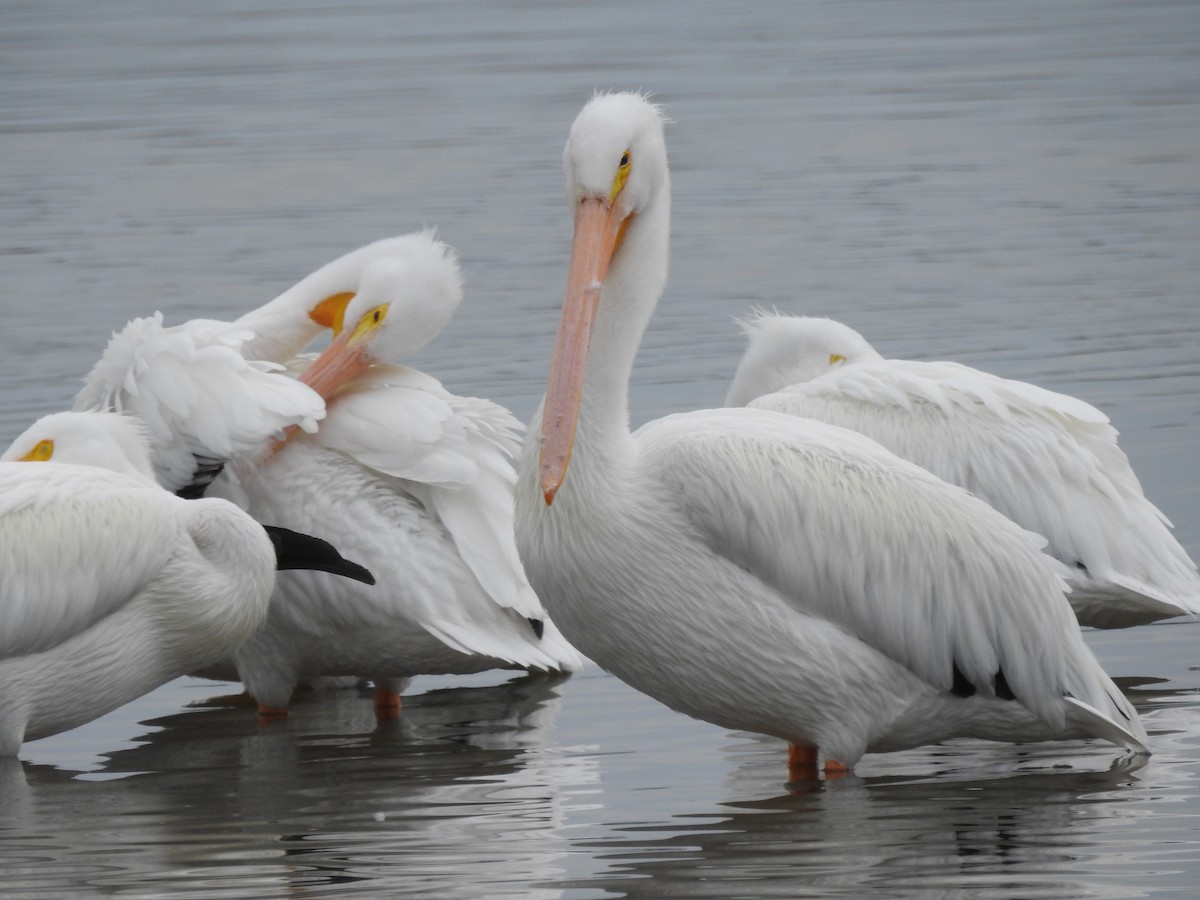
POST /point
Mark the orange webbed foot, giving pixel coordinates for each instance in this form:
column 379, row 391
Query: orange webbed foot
column 835, row 769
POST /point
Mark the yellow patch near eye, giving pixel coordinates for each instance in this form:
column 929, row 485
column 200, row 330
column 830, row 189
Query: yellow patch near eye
column 369, row 323
column 835, row 358
column 331, row 312
column 40, row 453
column 621, row 177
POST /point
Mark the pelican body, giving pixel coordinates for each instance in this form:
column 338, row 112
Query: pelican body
column 414, row 479
column 763, row 572
column 1048, row 461
column 111, row 586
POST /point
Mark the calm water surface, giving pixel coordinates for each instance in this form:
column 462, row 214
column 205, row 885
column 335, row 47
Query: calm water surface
column 1015, row 186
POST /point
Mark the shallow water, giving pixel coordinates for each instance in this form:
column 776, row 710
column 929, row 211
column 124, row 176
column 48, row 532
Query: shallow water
column 1010, row 185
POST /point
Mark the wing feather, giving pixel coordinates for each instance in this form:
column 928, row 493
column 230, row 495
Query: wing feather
column 454, row 454
column 196, row 393
column 1046, row 460
column 849, row 533
column 76, row 543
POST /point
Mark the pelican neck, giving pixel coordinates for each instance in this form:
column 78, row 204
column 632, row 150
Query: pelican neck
column 282, row 328
column 635, row 282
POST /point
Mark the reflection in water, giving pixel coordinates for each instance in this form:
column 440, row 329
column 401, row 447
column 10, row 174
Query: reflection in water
column 460, row 790
column 967, row 818
column 854, row 835
column 474, row 792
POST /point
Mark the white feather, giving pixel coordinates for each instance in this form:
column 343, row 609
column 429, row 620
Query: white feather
column 112, row 587
column 214, row 389
column 1048, row 461
column 196, row 393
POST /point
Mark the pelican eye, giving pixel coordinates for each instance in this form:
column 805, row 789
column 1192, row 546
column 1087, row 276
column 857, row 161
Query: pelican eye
column 835, row 358
column 621, row 177
column 41, row 452
column 369, row 323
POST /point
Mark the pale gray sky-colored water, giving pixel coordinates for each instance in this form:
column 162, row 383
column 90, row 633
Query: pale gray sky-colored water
column 1012, row 185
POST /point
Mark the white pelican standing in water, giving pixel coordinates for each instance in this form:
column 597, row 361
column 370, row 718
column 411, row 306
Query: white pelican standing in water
column 210, row 391
column 113, row 586
column 763, row 572
column 415, row 481
column 1048, row 461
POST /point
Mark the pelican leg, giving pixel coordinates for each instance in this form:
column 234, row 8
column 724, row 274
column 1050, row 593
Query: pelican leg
column 387, row 701
column 802, row 762
column 272, row 712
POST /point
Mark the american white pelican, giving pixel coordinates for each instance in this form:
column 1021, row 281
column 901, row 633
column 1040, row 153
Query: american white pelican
column 413, row 480
column 208, row 390
column 763, row 572
column 119, row 443
column 1048, row 461
column 112, row 585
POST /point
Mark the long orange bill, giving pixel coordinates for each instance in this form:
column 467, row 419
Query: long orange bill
column 339, row 364
column 328, row 372
column 596, row 226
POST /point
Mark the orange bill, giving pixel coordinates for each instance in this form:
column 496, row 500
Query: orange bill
column 331, row 312
column 597, row 223
column 342, row 361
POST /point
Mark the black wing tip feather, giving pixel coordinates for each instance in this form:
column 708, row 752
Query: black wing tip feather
column 962, row 686
column 295, row 550
column 203, row 475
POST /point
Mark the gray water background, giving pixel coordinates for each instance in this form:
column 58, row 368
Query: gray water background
column 1014, row 185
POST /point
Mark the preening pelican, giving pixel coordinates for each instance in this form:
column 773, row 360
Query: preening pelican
column 763, row 572
column 209, row 391
column 412, row 479
column 112, row 586
column 1048, row 461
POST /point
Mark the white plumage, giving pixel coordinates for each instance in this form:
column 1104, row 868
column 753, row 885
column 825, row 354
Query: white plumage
column 763, row 572
column 112, row 586
column 413, row 480
column 1048, row 461
column 209, row 391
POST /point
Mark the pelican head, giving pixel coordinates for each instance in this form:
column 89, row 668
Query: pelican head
column 402, row 303
column 106, row 440
column 616, row 168
column 318, row 302
column 786, row 350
